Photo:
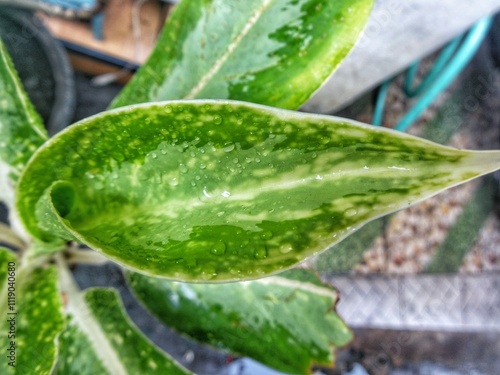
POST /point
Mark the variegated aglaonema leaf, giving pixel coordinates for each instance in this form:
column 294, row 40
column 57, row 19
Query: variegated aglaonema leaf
column 21, row 128
column 32, row 317
column 287, row 322
column 221, row 190
column 274, row 52
column 101, row 339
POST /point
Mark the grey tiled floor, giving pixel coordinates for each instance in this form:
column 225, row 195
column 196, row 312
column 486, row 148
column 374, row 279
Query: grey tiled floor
column 421, row 302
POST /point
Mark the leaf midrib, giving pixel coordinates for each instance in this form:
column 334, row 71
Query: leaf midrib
column 219, row 63
column 85, row 320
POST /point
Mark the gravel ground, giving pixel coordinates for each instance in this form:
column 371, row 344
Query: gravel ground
column 412, row 237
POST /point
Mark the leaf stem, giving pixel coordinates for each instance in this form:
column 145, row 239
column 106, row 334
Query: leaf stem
column 75, row 255
column 83, row 317
column 10, row 238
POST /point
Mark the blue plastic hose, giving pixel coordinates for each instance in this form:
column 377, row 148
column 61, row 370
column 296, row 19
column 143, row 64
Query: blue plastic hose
column 440, row 63
column 448, row 65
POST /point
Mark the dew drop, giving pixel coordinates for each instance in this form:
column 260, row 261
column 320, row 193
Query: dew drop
column 202, row 166
column 286, row 248
column 235, row 160
column 229, row 148
column 218, row 249
column 350, row 212
column 266, row 235
column 173, row 182
column 205, row 192
column 183, row 168
column 168, row 109
column 163, row 151
column 153, row 155
column 217, row 120
column 226, row 194
column 260, row 253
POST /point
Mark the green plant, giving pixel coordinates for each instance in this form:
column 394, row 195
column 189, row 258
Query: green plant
column 188, row 193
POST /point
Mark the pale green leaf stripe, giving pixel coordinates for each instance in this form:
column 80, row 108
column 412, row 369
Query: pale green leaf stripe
column 76, row 355
column 222, row 190
column 274, row 52
column 21, row 128
column 286, row 322
column 86, row 350
column 38, row 318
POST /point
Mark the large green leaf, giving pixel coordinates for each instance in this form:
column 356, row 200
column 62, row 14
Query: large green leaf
column 287, row 322
column 21, row 128
column 274, row 52
column 219, row 190
column 33, row 318
column 101, row 339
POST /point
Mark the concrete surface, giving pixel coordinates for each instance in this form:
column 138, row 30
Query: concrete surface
column 397, row 34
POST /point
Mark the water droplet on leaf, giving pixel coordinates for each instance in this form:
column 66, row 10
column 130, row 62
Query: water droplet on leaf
column 260, row 253
column 350, row 212
column 218, row 249
column 217, row 120
column 266, row 235
column 285, row 248
column 228, row 148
